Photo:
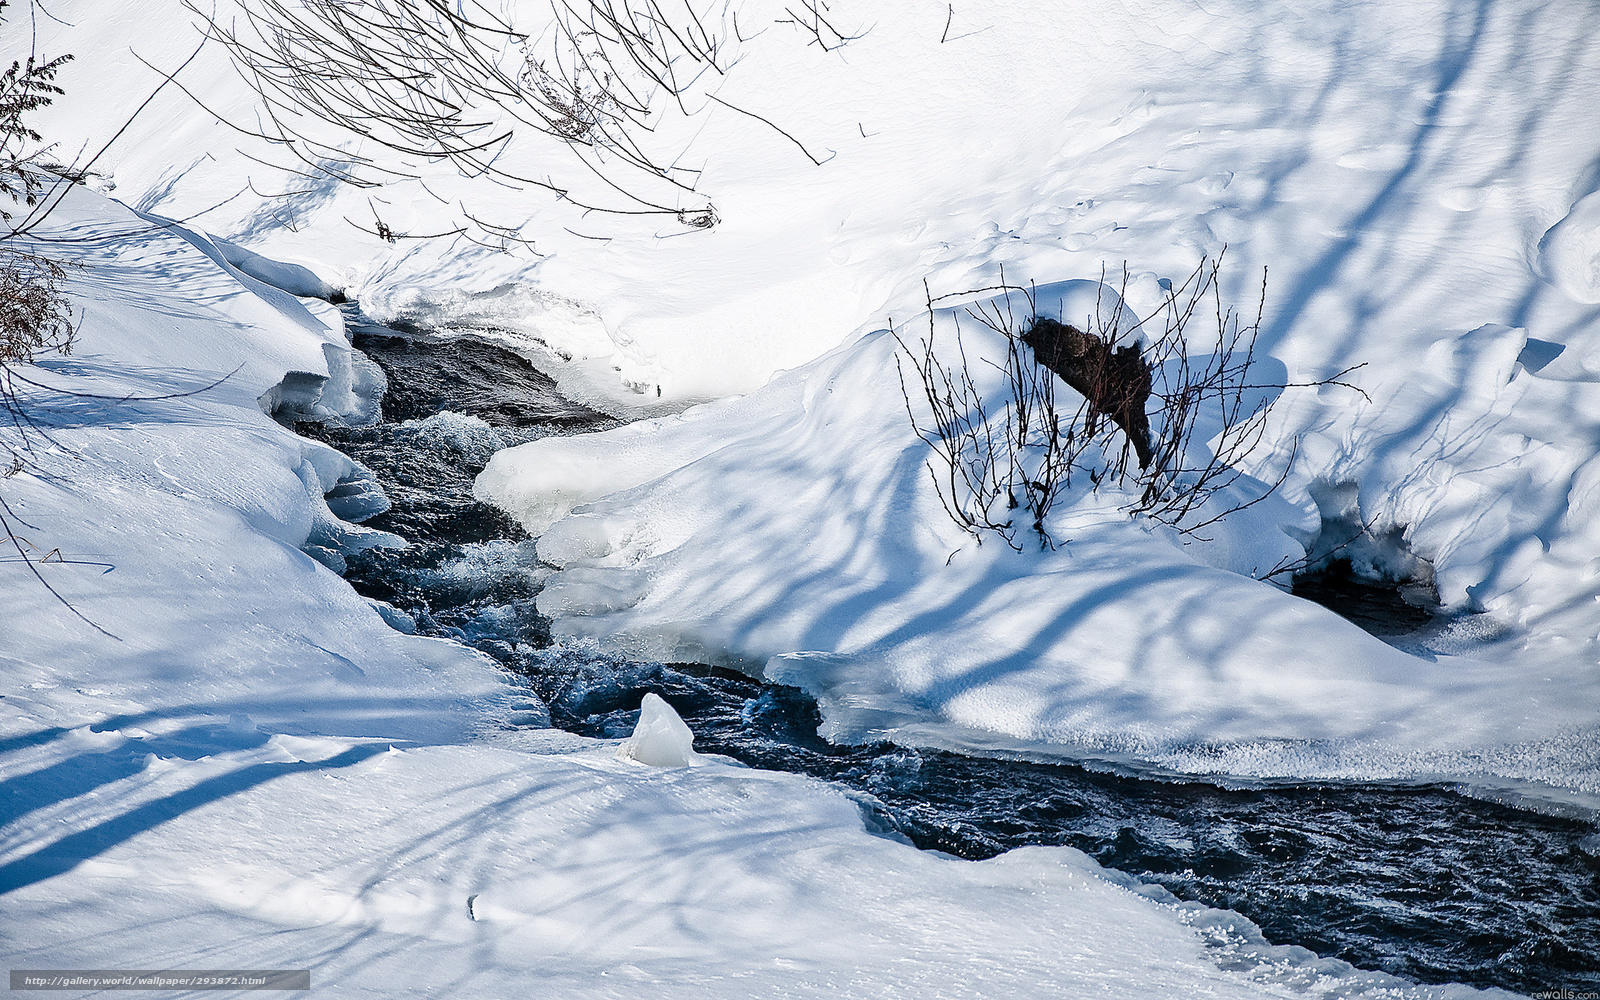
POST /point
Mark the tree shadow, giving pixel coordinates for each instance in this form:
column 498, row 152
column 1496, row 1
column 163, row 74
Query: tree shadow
column 72, row 850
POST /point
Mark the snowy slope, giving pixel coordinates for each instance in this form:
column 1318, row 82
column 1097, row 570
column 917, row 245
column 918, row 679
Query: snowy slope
column 1420, row 179
column 1397, row 165
column 258, row 772
column 804, row 540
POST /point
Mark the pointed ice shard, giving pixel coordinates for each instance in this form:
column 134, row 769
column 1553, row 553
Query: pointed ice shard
column 661, row 739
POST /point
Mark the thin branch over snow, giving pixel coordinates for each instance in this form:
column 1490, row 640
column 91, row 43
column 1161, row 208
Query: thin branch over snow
column 454, row 82
column 1188, row 408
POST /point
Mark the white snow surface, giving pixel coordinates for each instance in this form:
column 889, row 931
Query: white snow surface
column 1420, row 179
column 804, row 541
column 258, row 772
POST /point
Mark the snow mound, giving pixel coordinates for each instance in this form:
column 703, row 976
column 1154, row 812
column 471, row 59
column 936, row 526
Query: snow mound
column 292, row 278
column 795, row 533
column 1570, row 252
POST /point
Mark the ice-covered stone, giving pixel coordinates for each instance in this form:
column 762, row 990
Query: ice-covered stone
column 394, row 617
column 661, row 739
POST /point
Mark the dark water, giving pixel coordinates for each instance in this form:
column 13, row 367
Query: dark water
column 1422, row 882
column 1380, row 608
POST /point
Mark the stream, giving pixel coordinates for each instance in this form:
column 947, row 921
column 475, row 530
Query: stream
column 1423, row 882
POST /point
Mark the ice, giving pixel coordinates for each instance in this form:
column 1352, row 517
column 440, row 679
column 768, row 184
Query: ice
column 394, row 617
column 356, row 497
column 661, row 739
column 1376, row 553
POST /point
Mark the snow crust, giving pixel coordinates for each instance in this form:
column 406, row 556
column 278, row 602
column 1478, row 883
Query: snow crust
column 258, row 771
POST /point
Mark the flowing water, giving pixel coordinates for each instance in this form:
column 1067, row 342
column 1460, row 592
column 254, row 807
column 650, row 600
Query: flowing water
column 1423, row 882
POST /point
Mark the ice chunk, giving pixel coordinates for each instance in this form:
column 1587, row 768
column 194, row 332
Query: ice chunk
column 329, row 557
column 394, row 617
column 357, row 497
column 1590, row 845
column 661, row 739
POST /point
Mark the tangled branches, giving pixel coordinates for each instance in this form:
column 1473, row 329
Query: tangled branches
column 814, row 19
column 26, row 86
column 410, row 82
column 984, row 456
column 412, row 78
column 1168, row 415
column 35, row 317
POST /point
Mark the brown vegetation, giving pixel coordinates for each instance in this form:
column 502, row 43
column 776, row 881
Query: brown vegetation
column 1187, row 402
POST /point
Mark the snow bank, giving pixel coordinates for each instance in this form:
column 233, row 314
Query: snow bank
column 259, row 772
column 201, row 505
column 797, row 534
column 1419, row 190
column 1397, row 166
column 1422, row 190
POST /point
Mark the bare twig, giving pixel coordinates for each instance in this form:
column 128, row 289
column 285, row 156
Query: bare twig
column 1187, row 409
column 429, row 80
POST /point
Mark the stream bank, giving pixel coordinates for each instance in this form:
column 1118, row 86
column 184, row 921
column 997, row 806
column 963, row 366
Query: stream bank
column 1420, row 881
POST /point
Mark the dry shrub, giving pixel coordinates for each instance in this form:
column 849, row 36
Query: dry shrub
column 589, row 109
column 1179, row 390
column 34, row 315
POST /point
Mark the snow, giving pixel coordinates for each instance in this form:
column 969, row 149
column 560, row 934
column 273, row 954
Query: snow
column 1124, row 643
column 1419, row 186
column 201, row 505
column 259, row 772
column 1413, row 216
column 1352, row 150
column 1569, row 254
column 260, row 769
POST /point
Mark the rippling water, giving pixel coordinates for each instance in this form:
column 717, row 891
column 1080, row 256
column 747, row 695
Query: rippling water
column 1422, row 882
